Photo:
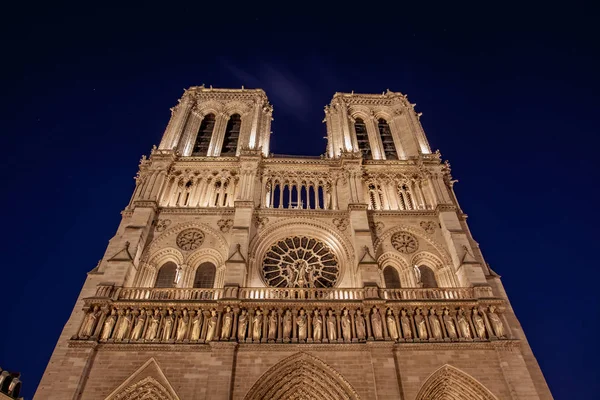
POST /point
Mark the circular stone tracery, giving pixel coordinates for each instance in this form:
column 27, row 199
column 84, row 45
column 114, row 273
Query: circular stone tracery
column 190, row 239
column 405, row 242
column 300, row 261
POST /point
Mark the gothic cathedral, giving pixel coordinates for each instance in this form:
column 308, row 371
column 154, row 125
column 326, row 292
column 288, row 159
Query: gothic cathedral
column 236, row 273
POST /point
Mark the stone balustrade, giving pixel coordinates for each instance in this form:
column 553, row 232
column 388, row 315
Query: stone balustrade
column 269, row 315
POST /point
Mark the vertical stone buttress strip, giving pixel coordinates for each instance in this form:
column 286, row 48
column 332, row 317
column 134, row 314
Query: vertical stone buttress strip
column 221, row 370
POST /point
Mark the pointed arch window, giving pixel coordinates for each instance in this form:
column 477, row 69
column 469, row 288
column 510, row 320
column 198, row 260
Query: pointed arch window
column 427, row 277
column 232, row 134
column 391, row 278
column 362, row 138
column 204, row 135
column 166, row 275
column 386, row 139
column 205, row 276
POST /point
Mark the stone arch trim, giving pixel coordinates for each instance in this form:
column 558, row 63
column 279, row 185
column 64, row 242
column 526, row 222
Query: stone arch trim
column 158, row 242
column 428, row 259
column 147, row 388
column 303, row 226
column 445, row 257
column 205, row 255
column 164, row 255
column 301, row 376
column 397, row 262
column 450, row 383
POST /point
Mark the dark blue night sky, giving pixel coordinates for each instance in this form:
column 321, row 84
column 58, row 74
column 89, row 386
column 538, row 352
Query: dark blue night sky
column 509, row 96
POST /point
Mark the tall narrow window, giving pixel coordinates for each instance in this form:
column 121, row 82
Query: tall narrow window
column 204, row 135
column 362, row 138
column 427, row 277
column 205, row 276
column 386, row 139
column 391, row 278
column 166, row 275
column 232, row 134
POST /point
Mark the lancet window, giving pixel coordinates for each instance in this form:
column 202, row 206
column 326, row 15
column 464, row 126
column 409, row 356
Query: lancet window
column 195, row 190
column 166, row 275
column 405, row 198
column 427, row 277
column 362, row 138
column 204, row 136
column 205, row 276
column 232, row 134
column 376, row 198
column 298, row 194
column 391, row 278
column 386, row 139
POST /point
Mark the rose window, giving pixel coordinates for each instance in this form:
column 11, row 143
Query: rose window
column 405, row 242
column 300, row 261
column 190, row 239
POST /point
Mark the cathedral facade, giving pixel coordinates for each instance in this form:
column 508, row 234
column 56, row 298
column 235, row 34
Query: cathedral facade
column 236, row 273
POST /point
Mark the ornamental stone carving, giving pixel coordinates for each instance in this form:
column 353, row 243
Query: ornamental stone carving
column 300, row 261
column 190, row 239
column 341, row 223
column 260, row 222
column 162, row 224
column 377, row 227
column 405, row 243
column 225, row 225
column 428, row 226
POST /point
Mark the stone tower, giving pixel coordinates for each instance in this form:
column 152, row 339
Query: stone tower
column 236, row 273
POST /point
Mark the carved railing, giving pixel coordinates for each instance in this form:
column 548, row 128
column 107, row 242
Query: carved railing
column 427, row 294
column 168, row 294
column 300, row 294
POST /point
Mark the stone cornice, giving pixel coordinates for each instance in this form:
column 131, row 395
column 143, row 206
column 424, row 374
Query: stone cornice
column 216, row 211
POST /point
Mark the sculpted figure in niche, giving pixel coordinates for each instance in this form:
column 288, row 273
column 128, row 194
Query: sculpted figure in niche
column 257, row 326
column 346, row 328
column 331, row 326
column 109, row 324
column 391, row 324
column 302, row 323
column 212, row 326
column 152, row 331
column 496, row 322
column 479, row 324
column 139, row 326
column 449, row 323
column 376, row 324
column 125, row 325
column 463, row 324
column 317, row 326
column 434, row 323
column 242, row 325
column 227, row 324
column 405, row 322
column 196, row 323
column 287, row 324
column 421, row 325
column 272, row 325
column 91, row 319
column 168, row 326
column 182, row 325
column 359, row 321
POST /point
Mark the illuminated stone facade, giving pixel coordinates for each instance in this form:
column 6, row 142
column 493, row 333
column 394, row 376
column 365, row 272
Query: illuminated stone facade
column 240, row 274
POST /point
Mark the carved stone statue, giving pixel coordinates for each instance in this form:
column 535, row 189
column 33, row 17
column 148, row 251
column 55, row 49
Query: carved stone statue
column 418, row 277
column 479, row 324
column 463, row 324
column 359, row 321
column 138, row 329
column 273, row 325
column 91, row 319
column 227, row 324
column 421, row 325
column 317, row 326
column 182, row 325
column 346, row 327
column 287, row 324
column 168, row 325
column 212, row 326
column 406, row 328
column 152, row 331
column 257, row 326
column 109, row 324
column 434, row 323
column 331, row 326
column 496, row 322
column 125, row 325
column 302, row 323
column 196, row 323
column 391, row 324
column 242, row 325
column 376, row 324
column 449, row 324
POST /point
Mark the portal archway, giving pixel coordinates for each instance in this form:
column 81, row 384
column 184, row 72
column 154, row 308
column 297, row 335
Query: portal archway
column 450, row 383
column 301, row 376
